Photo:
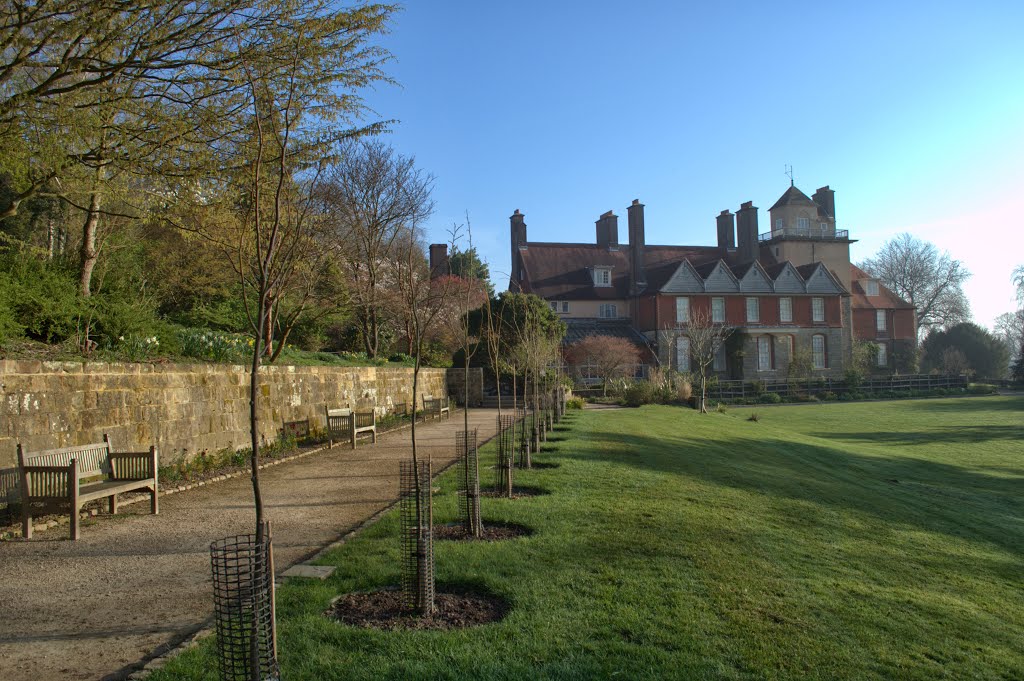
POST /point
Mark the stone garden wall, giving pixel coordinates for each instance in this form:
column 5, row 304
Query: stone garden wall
column 182, row 408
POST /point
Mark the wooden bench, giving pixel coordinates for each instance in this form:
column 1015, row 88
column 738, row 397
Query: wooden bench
column 349, row 423
column 436, row 407
column 56, row 479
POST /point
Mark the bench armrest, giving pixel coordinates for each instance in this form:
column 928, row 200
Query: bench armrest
column 134, row 465
column 40, row 482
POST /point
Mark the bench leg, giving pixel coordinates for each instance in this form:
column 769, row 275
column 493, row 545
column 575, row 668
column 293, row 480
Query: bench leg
column 26, row 521
column 374, row 431
column 353, row 437
column 74, row 522
column 113, row 504
column 154, row 499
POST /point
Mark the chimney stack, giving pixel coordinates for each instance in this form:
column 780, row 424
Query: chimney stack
column 518, row 230
column 746, row 232
column 726, row 231
column 608, row 231
column 439, row 260
column 826, row 198
column 637, row 245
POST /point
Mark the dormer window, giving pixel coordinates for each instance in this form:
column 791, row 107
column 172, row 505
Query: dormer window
column 871, row 288
column 602, row 276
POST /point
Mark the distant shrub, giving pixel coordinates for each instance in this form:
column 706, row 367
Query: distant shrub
column 758, row 387
column 684, row 389
column 754, row 417
column 770, row 398
column 574, row 402
column 721, row 408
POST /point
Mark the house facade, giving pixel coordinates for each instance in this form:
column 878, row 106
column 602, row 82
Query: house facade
column 787, row 291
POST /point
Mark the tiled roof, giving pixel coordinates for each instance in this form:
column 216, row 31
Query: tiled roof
column 578, row 329
column 885, row 299
column 793, row 196
column 558, row 271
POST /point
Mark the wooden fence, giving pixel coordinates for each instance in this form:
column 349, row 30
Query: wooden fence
column 725, row 390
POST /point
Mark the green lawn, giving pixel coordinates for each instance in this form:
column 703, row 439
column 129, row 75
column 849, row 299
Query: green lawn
column 868, row 541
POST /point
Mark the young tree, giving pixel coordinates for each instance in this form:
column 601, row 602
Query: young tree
column 468, row 265
column 424, row 302
column 707, row 338
column 611, row 356
column 932, row 281
column 373, row 195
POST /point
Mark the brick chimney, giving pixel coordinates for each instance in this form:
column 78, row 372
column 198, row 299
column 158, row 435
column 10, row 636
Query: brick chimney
column 518, row 230
column 638, row 273
column 746, row 232
column 726, row 230
column 608, row 231
column 826, row 198
column 439, row 260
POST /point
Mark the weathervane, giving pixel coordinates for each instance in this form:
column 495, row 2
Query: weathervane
column 789, row 174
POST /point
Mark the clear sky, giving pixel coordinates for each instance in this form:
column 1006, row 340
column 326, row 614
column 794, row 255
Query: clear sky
column 912, row 112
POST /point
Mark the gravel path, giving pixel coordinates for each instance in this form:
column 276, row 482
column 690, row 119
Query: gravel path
column 135, row 585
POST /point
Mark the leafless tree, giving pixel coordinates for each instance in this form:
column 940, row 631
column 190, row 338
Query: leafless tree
column 373, row 196
column 612, row 357
column 707, row 338
column 424, row 302
column 916, row 271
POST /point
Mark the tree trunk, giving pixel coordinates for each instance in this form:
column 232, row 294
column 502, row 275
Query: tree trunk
column 254, row 432
column 89, row 229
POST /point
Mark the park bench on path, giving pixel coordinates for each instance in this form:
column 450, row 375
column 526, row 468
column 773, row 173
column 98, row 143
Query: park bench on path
column 348, row 423
column 53, row 480
column 436, row 407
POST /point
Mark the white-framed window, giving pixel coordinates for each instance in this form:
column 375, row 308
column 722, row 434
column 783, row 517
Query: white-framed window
column 785, row 310
column 817, row 309
column 824, row 228
column 682, row 353
column 818, row 351
column 779, row 224
column 882, row 359
column 565, row 306
column 804, row 225
column 554, row 306
column 602, row 276
column 880, row 320
column 682, row 310
column 608, row 311
column 718, row 310
column 764, row 353
column 753, row 310
column 718, row 364
column 871, row 288
column 787, row 341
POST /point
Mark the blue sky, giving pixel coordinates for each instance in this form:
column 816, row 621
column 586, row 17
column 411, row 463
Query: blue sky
column 912, row 112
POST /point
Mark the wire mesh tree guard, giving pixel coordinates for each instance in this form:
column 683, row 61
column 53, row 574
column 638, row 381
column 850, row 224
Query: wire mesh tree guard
column 506, row 454
column 469, row 481
column 243, row 606
column 525, row 440
column 417, row 519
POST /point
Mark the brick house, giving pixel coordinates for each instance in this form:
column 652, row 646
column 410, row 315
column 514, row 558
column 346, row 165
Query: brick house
column 790, row 288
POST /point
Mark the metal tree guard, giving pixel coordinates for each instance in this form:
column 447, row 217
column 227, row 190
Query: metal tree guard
column 243, row 606
column 469, row 481
column 506, row 454
column 417, row 530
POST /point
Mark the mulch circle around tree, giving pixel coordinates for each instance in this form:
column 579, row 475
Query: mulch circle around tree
column 493, row 531
column 456, row 608
column 517, row 492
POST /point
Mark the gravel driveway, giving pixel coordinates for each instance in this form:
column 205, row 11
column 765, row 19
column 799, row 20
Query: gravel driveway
column 135, row 585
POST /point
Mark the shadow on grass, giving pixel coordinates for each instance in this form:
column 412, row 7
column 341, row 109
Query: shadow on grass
column 966, row 434
column 929, row 495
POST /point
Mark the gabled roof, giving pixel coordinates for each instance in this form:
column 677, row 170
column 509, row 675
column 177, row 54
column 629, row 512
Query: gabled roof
column 885, row 300
column 565, row 271
column 793, row 196
column 818, row 270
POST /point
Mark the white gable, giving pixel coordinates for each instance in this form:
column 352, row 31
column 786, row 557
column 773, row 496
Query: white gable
column 684, row 280
column 789, row 280
column 721, row 280
column 822, row 282
column 755, row 281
